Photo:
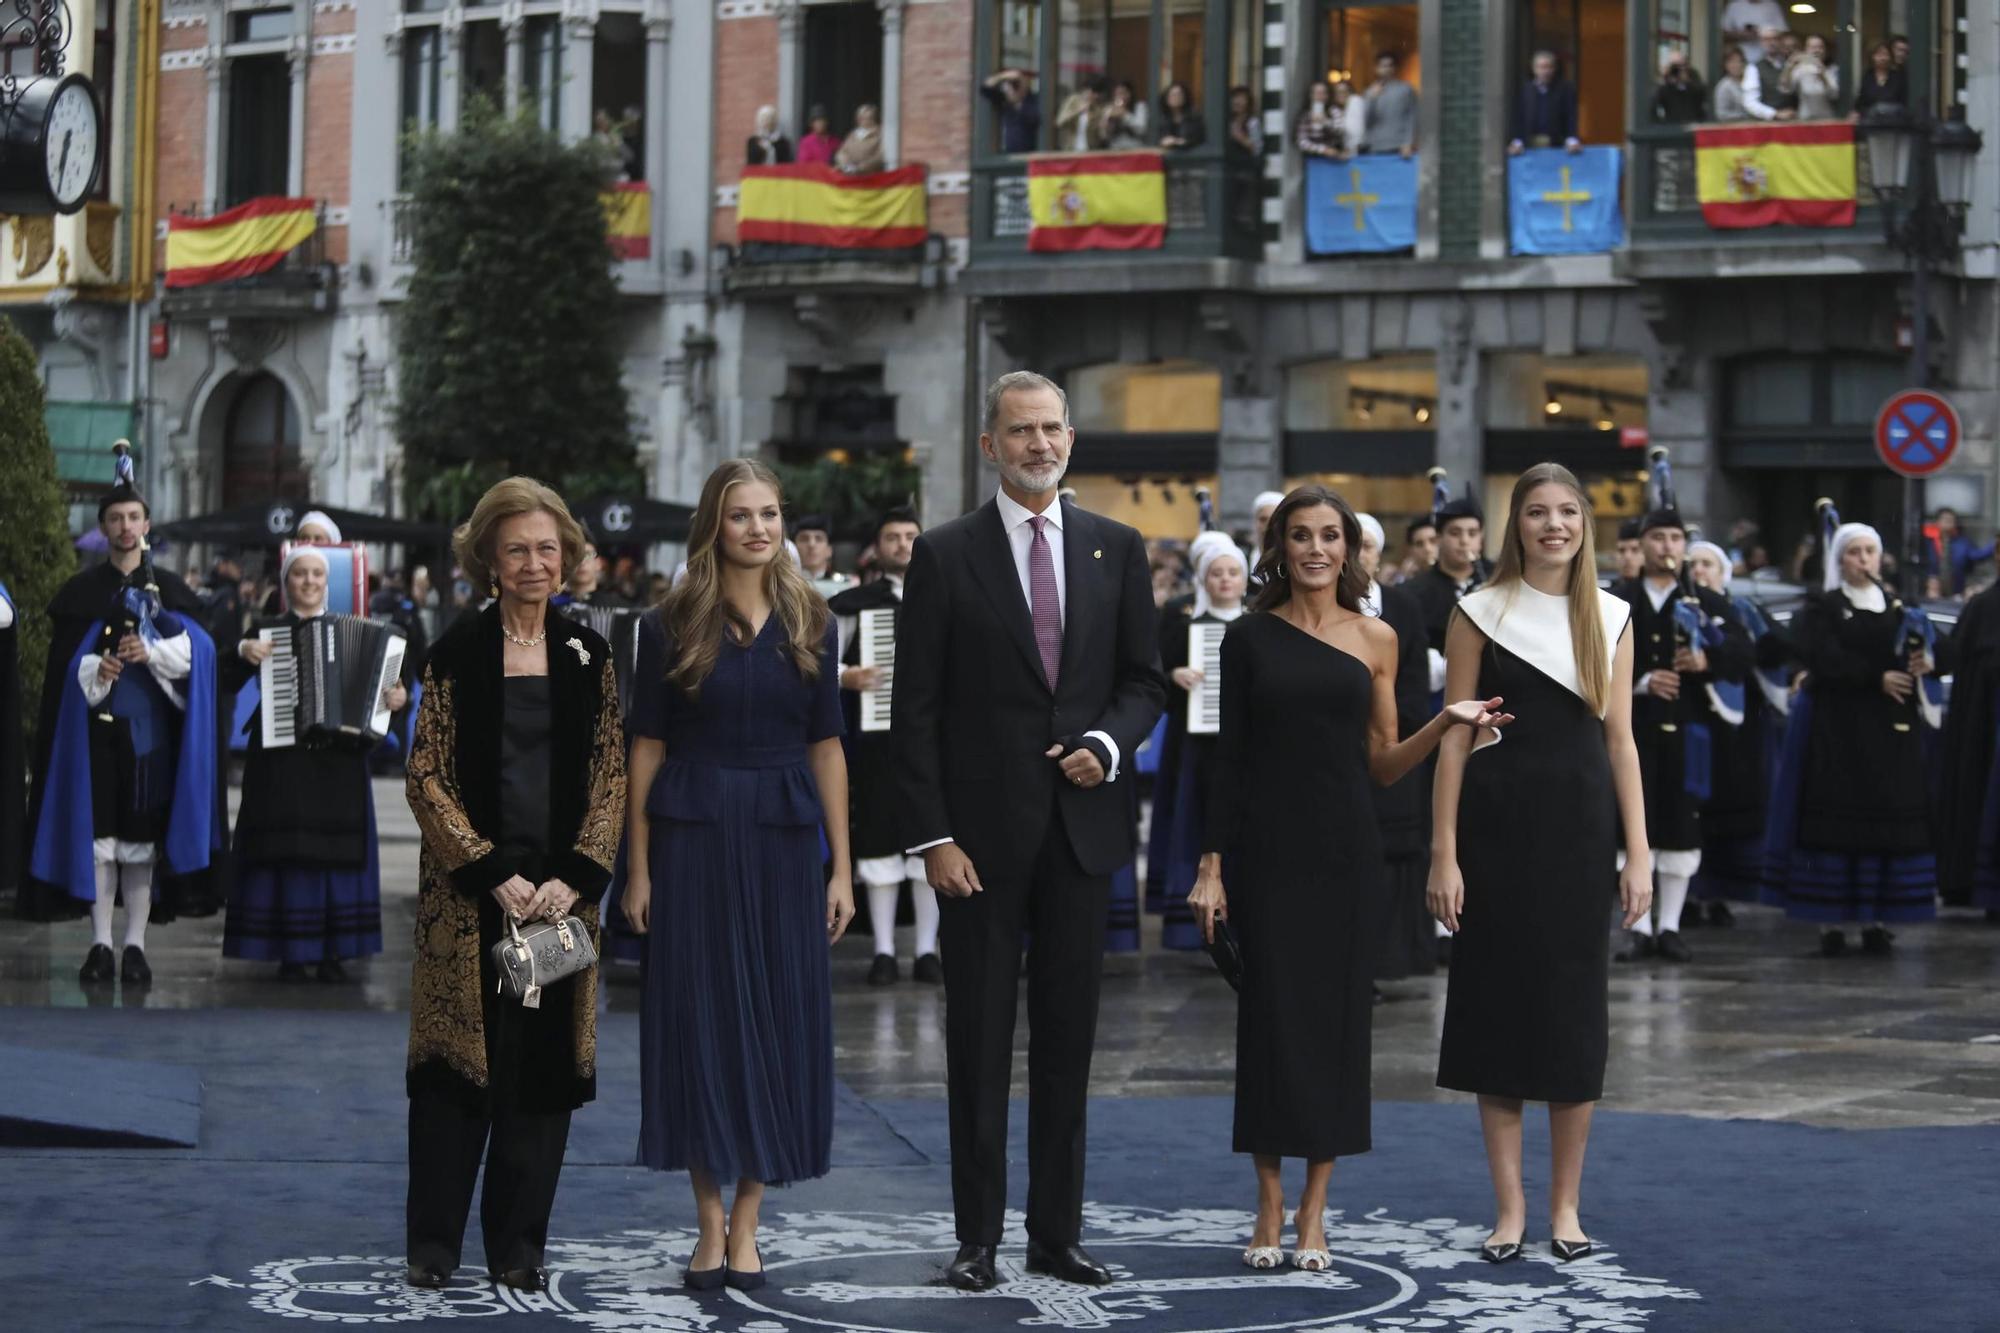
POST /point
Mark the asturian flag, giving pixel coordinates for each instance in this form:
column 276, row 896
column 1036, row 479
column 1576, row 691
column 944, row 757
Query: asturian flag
column 1562, row 203
column 1365, row 205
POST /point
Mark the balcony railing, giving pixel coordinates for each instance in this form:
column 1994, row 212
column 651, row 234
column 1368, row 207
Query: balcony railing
column 1214, row 210
column 1665, row 202
column 299, row 280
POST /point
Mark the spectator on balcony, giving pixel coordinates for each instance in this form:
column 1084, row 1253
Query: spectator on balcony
column 1246, row 135
column 632, row 129
column 1351, row 115
column 1730, row 103
column 1018, row 109
column 1545, row 112
column 1764, row 95
column 1813, row 79
column 1392, row 109
column 1680, row 99
column 1180, row 123
column 1885, row 84
column 1899, row 47
column 1125, row 118
column 1080, row 123
column 818, row 146
column 768, row 146
column 606, row 132
column 862, row 153
column 1318, row 132
column 1749, row 22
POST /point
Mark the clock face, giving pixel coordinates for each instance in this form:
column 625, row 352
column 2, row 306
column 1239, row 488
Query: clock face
column 71, row 143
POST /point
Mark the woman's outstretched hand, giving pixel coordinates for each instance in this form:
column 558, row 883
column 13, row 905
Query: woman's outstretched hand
column 1479, row 713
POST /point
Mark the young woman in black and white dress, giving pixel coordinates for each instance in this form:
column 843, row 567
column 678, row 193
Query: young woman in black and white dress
column 1524, row 846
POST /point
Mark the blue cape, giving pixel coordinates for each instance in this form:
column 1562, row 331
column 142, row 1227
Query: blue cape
column 63, row 835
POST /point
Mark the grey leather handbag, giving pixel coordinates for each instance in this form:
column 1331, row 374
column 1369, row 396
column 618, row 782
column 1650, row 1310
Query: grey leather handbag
column 541, row 955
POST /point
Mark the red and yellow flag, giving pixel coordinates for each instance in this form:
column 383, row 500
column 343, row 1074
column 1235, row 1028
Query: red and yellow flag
column 1774, row 173
column 819, row 206
column 628, row 220
column 1097, row 201
column 248, row 239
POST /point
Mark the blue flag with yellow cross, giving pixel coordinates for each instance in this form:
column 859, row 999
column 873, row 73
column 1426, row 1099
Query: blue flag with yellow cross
column 1562, row 203
column 1365, row 205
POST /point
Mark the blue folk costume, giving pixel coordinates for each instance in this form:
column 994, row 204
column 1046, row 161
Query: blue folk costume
column 1850, row 835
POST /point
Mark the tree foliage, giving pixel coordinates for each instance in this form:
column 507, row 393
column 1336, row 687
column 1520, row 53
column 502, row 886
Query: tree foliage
column 852, row 495
column 508, row 346
column 36, row 556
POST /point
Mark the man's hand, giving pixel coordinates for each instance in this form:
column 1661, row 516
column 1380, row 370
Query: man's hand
column 950, row 871
column 1692, row 660
column 109, row 668
column 1898, row 685
column 1081, row 769
column 860, row 678
column 1662, row 684
column 132, row 649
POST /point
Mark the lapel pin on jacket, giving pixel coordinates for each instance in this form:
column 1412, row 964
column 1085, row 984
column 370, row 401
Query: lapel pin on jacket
column 582, row 653
column 1097, row 555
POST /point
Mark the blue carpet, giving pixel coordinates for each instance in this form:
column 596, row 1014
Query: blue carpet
column 94, row 1101
column 291, row 1207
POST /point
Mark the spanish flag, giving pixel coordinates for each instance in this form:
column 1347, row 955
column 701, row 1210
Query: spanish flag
column 246, row 240
column 1097, row 201
column 819, row 206
column 1775, row 173
column 628, row 220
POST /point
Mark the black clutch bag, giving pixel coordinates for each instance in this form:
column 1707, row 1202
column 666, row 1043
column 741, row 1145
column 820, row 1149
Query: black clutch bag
column 1228, row 954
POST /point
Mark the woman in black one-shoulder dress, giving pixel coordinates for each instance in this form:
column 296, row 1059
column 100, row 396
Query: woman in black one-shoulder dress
column 1308, row 727
column 1524, row 848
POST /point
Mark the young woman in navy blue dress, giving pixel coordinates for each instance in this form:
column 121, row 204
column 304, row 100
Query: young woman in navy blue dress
column 736, row 765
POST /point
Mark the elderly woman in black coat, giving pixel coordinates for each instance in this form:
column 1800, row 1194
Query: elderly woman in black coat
column 517, row 780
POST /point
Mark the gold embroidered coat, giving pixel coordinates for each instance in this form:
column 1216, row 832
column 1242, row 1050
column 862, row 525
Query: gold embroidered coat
column 454, row 791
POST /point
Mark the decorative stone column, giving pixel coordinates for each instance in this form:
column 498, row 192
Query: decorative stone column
column 791, row 40
column 217, row 70
column 513, row 26
column 892, row 80
column 451, row 77
column 297, row 58
column 579, row 45
column 659, row 25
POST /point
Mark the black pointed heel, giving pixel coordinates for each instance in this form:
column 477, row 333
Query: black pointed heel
column 1568, row 1250
column 1501, row 1254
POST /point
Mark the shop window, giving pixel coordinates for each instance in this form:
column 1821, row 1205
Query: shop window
column 1391, row 393
column 1584, row 393
column 1165, row 397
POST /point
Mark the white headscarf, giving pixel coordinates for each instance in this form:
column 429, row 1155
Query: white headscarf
column 1842, row 536
column 1721, row 558
column 317, row 518
column 1372, row 527
column 1204, row 541
column 1206, row 556
column 1371, row 601
column 292, row 557
column 1266, row 500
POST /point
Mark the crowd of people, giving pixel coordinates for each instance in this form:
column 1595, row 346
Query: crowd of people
column 1770, row 72
column 1350, row 761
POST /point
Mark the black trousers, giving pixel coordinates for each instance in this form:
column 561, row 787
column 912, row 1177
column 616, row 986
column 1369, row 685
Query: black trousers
column 447, row 1141
column 1062, row 909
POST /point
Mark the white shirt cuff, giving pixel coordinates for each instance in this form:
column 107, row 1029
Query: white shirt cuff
column 171, row 659
column 1437, row 669
column 95, row 691
column 1639, row 685
column 1110, row 745
column 923, row 847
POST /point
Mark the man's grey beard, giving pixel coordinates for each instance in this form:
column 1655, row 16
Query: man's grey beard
column 1032, row 485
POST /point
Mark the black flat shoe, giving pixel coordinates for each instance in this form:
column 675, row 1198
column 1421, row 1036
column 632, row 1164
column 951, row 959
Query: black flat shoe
column 1638, row 949
column 739, row 1279
column 883, row 972
column 135, row 971
column 99, row 966
column 1505, row 1253
column 1832, row 943
column 1071, row 1263
column 332, row 971
column 524, row 1279
column 972, row 1269
column 430, row 1279
column 1672, row 948
column 1875, row 942
column 1720, row 915
column 1568, row 1250
column 929, row 969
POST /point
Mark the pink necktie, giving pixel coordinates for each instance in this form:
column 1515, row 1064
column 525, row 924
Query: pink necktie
column 1046, row 609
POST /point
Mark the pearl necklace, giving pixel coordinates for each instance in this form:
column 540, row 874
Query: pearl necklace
column 535, row 642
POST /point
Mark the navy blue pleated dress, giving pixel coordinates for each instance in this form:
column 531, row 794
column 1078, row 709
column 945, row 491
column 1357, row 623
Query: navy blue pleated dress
column 736, row 1020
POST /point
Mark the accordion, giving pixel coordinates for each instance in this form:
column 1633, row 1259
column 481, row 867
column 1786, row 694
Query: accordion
column 619, row 627
column 325, row 679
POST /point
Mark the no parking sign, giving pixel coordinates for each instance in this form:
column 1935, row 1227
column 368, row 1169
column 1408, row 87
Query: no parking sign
column 1916, row 433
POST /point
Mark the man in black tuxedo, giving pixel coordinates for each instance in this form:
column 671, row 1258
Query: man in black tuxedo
column 1027, row 675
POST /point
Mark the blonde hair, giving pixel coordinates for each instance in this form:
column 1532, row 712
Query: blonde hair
column 696, row 613
column 1586, row 626
column 472, row 541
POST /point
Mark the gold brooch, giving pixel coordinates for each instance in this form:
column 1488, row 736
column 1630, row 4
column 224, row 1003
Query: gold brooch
column 1097, row 555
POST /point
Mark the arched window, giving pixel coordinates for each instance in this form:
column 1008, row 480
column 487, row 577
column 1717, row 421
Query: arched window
column 260, row 445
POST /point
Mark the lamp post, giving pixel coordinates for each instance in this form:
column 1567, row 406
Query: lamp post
column 1920, row 170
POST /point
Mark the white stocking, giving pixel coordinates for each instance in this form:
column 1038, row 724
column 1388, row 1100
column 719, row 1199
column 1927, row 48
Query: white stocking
column 102, row 906
column 1673, row 897
column 924, row 897
column 138, row 902
column 882, row 916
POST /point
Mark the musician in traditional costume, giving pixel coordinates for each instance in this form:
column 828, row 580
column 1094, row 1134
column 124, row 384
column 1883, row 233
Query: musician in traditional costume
column 1683, row 642
column 1744, row 724
column 880, row 862
column 1969, row 798
column 308, row 884
column 812, row 547
column 1402, row 809
column 1460, row 568
column 1631, row 559
column 1222, row 577
column 128, row 780
column 1850, row 825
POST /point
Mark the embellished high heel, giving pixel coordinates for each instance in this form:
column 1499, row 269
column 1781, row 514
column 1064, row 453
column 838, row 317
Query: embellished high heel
column 1263, row 1258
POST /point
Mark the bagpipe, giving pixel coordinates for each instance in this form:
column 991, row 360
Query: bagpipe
column 1694, row 631
column 1914, row 632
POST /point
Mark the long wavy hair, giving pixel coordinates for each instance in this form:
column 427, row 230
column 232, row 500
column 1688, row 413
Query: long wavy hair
column 1586, row 626
column 696, row 613
column 1276, row 589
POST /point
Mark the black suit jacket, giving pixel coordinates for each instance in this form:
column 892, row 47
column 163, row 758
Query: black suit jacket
column 974, row 716
column 1557, row 108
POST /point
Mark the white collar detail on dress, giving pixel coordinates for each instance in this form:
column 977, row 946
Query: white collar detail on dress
column 1534, row 627
column 1867, row 597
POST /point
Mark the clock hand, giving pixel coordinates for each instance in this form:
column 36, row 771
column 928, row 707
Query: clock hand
column 63, row 161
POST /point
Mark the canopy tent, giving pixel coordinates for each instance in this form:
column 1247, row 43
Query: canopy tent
column 634, row 520
column 269, row 523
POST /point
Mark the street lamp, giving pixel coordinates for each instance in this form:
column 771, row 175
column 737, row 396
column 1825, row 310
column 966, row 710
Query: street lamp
column 1920, row 170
